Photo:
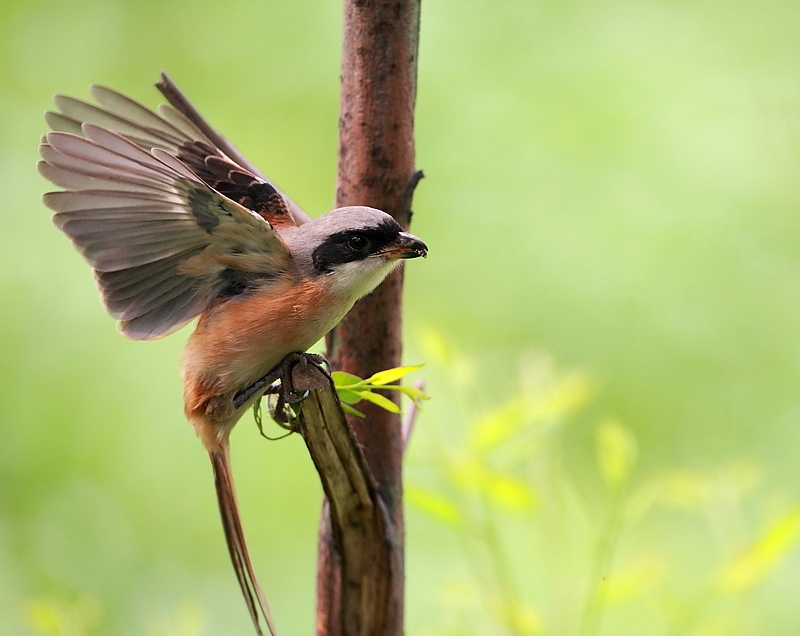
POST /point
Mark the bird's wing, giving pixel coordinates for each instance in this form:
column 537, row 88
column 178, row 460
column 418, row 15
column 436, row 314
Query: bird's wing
column 181, row 103
column 194, row 144
column 163, row 244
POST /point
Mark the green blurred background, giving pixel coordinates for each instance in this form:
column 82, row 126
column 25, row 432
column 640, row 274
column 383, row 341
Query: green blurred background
column 614, row 183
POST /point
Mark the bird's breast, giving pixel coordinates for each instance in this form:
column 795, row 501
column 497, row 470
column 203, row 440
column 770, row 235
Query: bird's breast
column 239, row 340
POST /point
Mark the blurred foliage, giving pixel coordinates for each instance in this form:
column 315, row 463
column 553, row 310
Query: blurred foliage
column 504, row 487
column 613, row 181
column 55, row 617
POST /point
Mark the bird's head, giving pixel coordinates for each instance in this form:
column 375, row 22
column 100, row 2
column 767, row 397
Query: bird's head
column 353, row 247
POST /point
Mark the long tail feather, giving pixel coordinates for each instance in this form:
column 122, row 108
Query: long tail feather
column 229, row 511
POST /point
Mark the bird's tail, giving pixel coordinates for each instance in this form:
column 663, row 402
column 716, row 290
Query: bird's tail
column 229, row 511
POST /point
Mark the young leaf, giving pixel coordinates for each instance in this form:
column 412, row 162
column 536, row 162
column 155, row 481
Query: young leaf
column 383, row 402
column 349, row 409
column 414, row 393
column 616, row 452
column 342, row 379
column 390, row 375
column 347, row 396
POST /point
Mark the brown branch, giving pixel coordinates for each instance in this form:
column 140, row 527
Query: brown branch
column 376, row 168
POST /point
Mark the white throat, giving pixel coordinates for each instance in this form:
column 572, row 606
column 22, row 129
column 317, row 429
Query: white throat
column 358, row 278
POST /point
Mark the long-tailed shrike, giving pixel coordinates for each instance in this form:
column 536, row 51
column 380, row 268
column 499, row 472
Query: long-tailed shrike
column 175, row 228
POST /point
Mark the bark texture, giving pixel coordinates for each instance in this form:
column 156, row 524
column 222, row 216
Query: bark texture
column 376, row 168
column 361, row 530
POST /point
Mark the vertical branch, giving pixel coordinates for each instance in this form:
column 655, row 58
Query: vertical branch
column 376, row 168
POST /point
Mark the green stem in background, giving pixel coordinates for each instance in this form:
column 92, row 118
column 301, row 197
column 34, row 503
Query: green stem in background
column 509, row 590
column 604, row 555
column 483, row 531
column 693, row 613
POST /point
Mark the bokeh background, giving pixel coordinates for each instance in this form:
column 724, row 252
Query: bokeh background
column 609, row 314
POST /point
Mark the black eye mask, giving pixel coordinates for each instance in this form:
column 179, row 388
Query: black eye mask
column 346, row 247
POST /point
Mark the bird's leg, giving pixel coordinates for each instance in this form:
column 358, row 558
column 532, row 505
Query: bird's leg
column 261, row 386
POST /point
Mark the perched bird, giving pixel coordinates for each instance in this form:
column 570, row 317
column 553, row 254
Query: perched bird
column 176, row 224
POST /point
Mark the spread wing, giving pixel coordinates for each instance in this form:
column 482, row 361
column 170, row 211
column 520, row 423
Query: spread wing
column 163, row 244
column 183, row 133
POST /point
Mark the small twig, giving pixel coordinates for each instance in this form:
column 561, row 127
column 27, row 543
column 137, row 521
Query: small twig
column 411, row 417
column 258, row 417
column 418, row 176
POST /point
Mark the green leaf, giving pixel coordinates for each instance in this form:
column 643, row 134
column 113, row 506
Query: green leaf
column 414, row 393
column 342, row 379
column 509, row 492
column 56, row 616
column 383, row 402
column 505, row 490
column 520, row 619
column 390, row 375
column 616, row 452
column 631, row 582
column 434, row 504
column 347, row 396
column 685, row 489
column 499, row 425
column 529, row 409
column 752, row 566
column 352, row 411
column 435, row 346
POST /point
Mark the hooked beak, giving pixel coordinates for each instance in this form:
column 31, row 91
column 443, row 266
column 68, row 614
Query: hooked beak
column 405, row 246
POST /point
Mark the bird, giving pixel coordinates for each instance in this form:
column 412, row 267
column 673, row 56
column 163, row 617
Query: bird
column 177, row 224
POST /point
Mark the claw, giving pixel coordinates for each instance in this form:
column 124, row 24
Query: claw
column 287, row 395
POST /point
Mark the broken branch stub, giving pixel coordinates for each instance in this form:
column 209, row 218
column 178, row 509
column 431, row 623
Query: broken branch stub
column 360, row 523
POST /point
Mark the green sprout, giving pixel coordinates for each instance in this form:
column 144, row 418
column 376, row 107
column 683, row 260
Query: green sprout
column 352, row 389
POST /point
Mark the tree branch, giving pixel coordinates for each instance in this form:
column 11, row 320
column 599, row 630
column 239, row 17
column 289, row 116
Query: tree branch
column 376, row 168
column 359, row 521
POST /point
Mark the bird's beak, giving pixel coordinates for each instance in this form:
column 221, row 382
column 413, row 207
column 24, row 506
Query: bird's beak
column 405, row 246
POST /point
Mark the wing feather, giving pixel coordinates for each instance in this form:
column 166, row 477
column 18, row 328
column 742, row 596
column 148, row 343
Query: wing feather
column 60, row 122
column 140, row 115
column 85, row 150
column 86, row 113
column 68, row 163
column 171, row 131
column 72, row 180
column 70, row 200
column 179, row 121
column 130, row 308
column 158, row 238
column 137, row 298
column 136, row 280
column 110, row 258
column 166, row 318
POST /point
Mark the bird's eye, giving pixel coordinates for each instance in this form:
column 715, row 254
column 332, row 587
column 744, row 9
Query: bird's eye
column 357, row 243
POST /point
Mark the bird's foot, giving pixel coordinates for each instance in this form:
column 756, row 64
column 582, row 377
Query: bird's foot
column 282, row 381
